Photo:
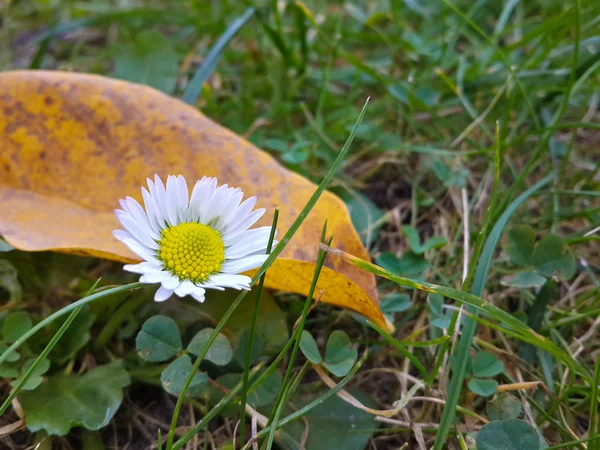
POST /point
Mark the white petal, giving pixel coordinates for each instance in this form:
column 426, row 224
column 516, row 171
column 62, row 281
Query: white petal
column 183, row 196
column 155, row 277
column 172, row 200
column 256, row 233
column 140, row 250
column 216, row 204
column 209, row 192
column 171, row 282
column 198, row 295
column 241, row 212
column 209, row 285
column 243, row 264
column 162, row 294
column 231, row 281
column 185, row 288
column 244, row 249
column 229, row 208
column 135, row 210
column 121, row 235
column 155, row 217
column 251, row 242
column 142, row 268
column 244, row 224
column 160, row 197
column 197, row 199
column 142, row 234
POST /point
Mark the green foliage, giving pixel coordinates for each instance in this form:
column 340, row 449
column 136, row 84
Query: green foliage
column 395, row 302
column 340, row 355
column 174, row 376
column 410, row 264
column 12, row 356
column 545, row 258
column 258, row 347
column 450, row 176
column 331, row 424
column 551, row 257
column 272, row 321
column 520, row 245
column 66, row 401
column 366, row 216
column 486, row 365
column 15, row 325
column 309, row 348
column 150, row 59
column 511, row 434
column 264, row 394
column 9, row 280
column 483, row 387
column 36, row 378
column 74, row 338
column 220, row 352
column 525, row 279
column 439, row 317
column 414, row 241
column 8, row 370
column 158, row 340
column 503, row 406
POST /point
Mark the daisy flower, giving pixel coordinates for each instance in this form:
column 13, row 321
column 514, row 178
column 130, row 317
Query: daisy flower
column 192, row 243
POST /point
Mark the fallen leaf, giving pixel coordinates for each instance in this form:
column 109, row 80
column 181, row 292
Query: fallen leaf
column 74, row 144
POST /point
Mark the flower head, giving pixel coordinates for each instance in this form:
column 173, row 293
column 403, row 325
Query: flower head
column 192, row 243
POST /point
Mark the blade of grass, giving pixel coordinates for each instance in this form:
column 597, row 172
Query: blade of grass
column 269, row 261
column 480, row 278
column 67, row 309
column 536, row 316
column 194, row 87
column 594, row 440
column 502, row 56
column 525, row 333
column 398, row 346
column 316, row 402
column 558, row 115
column 252, row 332
column 281, row 396
column 225, row 401
column 145, row 15
column 594, row 425
column 45, row 352
column 217, row 408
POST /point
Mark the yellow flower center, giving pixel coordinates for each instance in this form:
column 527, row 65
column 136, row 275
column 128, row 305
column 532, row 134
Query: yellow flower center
column 191, row 251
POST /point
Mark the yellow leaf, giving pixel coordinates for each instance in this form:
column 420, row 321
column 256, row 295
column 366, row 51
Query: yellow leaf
column 74, row 144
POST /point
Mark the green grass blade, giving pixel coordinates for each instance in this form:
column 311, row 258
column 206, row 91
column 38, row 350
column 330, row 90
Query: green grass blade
column 215, row 410
column 67, row 309
column 252, row 332
column 485, row 261
column 500, row 53
column 148, row 16
column 45, row 352
column 282, row 395
column 594, row 425
column 194, row 87
column 398, row 346
column 468, row 332
column 318, row 401
column 269, row 261
column 525, row 333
